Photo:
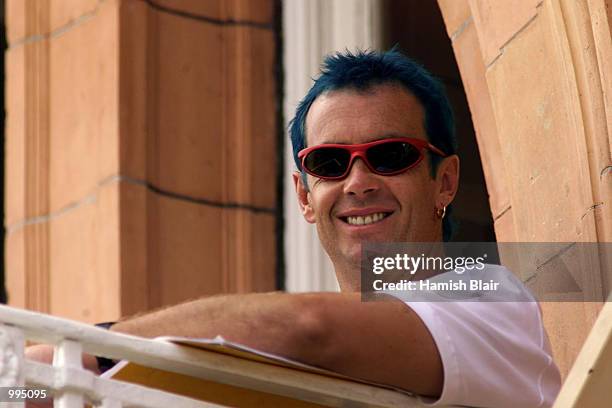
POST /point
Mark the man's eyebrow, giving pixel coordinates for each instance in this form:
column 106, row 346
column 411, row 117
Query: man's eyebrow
column 373, row 139
column 392, row 136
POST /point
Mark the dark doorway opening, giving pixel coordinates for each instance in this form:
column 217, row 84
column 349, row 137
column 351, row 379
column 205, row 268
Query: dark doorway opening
column 2, row 139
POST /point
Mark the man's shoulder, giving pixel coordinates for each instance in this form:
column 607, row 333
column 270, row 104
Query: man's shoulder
column 492, row 344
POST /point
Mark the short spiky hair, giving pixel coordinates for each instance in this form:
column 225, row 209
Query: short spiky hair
column 365, row 69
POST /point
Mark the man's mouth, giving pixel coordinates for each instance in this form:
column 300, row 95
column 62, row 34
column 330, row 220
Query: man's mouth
column 365, row 219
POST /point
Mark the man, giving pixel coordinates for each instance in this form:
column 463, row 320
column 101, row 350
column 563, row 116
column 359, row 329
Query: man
column 374, row 143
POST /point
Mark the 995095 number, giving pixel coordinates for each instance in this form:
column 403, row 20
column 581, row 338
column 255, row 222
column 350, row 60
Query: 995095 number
column 21, row 394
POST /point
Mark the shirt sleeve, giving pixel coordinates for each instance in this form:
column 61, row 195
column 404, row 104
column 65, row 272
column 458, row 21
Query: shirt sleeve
column 494, row 354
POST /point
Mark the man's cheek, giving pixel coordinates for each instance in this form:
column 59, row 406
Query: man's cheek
column 315, row 182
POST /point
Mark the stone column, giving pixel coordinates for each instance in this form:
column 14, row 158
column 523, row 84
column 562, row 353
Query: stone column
column 537, row 78
column 141, row 153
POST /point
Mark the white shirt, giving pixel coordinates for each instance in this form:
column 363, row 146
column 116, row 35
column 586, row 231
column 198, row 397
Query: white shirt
column 495, row 351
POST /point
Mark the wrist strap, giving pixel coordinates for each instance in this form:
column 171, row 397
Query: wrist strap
column 105, row 364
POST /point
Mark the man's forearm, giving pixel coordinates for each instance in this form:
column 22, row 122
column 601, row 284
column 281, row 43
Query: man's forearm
column 384, row 341
column 274, row 322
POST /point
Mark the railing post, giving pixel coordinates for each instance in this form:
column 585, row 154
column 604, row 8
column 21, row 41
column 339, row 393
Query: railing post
column 68, row 356
column 11, row 360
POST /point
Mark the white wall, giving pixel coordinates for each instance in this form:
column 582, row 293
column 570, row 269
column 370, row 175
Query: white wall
column 312, row 29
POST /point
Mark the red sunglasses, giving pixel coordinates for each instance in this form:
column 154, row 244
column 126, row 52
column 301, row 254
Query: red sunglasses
column 386, row 157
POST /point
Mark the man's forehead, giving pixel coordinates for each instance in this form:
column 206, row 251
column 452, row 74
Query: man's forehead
column 372, row 138
column 356, row 96
column 378, row 112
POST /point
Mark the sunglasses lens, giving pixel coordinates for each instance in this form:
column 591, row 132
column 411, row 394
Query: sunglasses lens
column 327, row 162
column 393, row 156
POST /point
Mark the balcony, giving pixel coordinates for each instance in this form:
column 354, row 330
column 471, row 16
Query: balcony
column 73, row 386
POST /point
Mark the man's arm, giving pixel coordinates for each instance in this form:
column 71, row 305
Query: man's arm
column 383, row 341
column 43, row 353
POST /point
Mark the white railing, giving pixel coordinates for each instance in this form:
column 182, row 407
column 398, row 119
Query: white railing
column 72, row 385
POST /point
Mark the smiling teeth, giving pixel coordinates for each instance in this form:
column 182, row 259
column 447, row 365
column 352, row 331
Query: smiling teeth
column 368, row 219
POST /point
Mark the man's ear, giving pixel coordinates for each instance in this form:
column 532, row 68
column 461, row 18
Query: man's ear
column 302, row 195
column 447, row 178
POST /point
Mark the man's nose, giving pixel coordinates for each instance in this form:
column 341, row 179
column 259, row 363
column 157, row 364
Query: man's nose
column 360, row 181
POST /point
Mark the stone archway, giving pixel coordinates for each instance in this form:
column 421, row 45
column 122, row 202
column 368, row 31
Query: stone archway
column 538, row 82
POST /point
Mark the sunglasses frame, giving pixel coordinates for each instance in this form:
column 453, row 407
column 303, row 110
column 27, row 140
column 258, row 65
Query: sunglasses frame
column 359, row 151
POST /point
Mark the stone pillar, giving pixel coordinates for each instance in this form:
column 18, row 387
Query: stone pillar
column 141, row 153
column 537, row 78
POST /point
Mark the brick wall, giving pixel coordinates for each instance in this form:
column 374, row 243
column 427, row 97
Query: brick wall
column 141, row 149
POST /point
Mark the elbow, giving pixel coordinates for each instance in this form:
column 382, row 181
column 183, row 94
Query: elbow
column 312, row 337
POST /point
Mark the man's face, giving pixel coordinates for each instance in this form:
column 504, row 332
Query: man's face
column 407, row 201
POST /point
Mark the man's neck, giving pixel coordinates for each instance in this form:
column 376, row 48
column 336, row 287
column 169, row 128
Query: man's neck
column 348, row 275
column 348, row 271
